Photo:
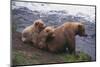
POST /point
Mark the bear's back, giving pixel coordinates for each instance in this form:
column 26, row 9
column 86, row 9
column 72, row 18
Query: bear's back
column 59, row 40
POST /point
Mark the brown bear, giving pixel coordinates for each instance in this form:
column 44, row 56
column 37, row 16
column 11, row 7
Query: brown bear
column 64, row 37
column 30, row 33
column 43, row 35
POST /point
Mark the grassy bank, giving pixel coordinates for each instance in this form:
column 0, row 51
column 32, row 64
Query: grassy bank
column 22, row 58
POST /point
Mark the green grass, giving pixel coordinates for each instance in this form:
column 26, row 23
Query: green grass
column 75, row 58
column 19, row 58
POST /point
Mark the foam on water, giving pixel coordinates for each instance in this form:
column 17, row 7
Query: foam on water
column 86, row 11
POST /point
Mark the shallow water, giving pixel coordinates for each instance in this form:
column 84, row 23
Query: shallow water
column 86, row 45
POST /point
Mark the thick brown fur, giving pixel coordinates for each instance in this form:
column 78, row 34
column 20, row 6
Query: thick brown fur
column 30, row 33
column 65, row 37
column 42, row 37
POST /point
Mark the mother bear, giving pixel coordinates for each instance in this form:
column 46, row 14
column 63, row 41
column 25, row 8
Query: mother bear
column 64, row 37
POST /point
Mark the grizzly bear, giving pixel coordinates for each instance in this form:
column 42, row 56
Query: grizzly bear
column 29, row 34
column 43, row 35
column 64, row 37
